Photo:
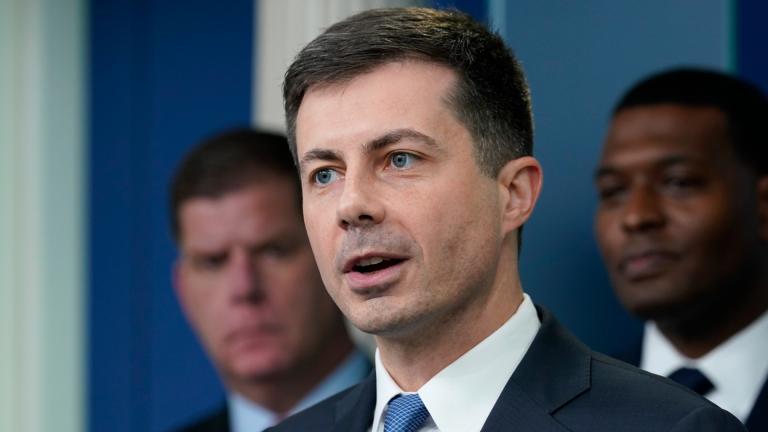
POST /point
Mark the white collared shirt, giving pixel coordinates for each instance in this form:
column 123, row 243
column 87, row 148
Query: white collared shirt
column 472, row 382
column 737, row 368
column 246, row 416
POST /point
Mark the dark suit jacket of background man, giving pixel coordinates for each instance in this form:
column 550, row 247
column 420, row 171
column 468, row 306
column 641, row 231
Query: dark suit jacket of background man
column 758, row 417
column 559, row 386
column 218, row 421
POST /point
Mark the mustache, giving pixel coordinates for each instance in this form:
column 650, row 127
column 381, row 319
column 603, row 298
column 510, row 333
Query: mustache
column 378, row 240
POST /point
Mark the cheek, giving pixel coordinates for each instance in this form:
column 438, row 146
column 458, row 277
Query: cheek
column 710, row 238
column 715, row 234
column 300, row 282
column 202, row 302
column 305, row 307
column 468, row 227
column 194, row 297
column 607, row 233
column 320, row 232
column 294, row 277
column 708, row 226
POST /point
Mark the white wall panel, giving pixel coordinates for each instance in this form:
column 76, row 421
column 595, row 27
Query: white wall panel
column 282, row 28
column 41, row 208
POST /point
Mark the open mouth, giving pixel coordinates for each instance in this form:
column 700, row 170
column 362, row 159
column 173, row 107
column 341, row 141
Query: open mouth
column 369, row 265
column 372, row 274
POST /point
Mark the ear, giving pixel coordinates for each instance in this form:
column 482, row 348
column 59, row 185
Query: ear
column 519, row 186
column 762, row 206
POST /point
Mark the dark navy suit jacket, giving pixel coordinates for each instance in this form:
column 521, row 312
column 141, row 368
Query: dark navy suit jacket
column 758, row 417
column 218, row 421
column 560, row 385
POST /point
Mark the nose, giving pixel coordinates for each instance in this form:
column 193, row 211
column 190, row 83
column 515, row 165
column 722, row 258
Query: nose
column 643, row 210
column 359, row 204
column 245, row 278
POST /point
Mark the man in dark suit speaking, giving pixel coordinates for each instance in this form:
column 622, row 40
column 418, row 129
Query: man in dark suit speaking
column 413, row 135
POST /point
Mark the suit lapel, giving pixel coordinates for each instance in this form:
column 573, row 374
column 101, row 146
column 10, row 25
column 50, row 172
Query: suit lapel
column 554, row 371
column 515, row 410
column 354, row 412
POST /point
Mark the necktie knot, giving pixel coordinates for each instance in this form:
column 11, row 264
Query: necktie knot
column 693, row 379
column 405, row 413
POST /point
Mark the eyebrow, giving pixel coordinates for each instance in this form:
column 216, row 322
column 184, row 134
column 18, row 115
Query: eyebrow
column 396, row 136
column 383, row 141
column 318, row 154
column 664, row 162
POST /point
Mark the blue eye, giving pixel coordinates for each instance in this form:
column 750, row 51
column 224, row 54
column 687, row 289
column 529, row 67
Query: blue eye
column 325, row 176
column 402, row 160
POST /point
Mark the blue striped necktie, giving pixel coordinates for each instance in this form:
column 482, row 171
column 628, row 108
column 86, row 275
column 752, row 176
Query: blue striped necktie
column 405, row 413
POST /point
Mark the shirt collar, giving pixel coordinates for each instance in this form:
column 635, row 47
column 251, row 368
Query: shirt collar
column 249, row 416
column 737, row 367
column 491, row 362
column 246, row 415
column 355, row 368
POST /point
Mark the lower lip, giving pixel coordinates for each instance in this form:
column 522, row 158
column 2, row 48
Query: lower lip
column 251, row 342
column 647, row 266
column 373, row 282
column 252, row 335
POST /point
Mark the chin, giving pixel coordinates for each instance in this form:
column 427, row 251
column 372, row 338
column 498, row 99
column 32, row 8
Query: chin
column 646, row 312
column 366, row 325
column 655, row 309
column 645, row 299
column 369, row 321
column 260, row 367
column 385, row 324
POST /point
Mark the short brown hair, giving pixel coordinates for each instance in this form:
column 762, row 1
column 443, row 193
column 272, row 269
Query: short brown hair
column 491, row 98
column 225, row 163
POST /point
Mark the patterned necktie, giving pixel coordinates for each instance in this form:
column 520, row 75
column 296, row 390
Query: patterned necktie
column 405, row 413
column 693, row 379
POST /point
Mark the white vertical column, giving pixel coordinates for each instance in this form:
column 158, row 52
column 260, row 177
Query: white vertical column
column 282, row 28
column 41, row 215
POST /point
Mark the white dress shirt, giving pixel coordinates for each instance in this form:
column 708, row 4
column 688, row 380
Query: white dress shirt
column 737, row 368
column 246, row 416
column 460, row 397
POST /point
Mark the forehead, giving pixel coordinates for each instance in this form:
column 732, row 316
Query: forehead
column 397, row 95
column 258, row 210
column 666, row 130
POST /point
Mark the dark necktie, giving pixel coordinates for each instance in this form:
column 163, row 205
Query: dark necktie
column 693, row 379
column 405, row 413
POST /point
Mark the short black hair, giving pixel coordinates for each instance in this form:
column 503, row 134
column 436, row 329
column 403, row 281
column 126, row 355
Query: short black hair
column 744, row 105
column 491, row 98
column 227, row 162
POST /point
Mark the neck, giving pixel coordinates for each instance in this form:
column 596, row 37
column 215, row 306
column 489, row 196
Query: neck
column 283, row 391
column 414, row 359
column 697, row 333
